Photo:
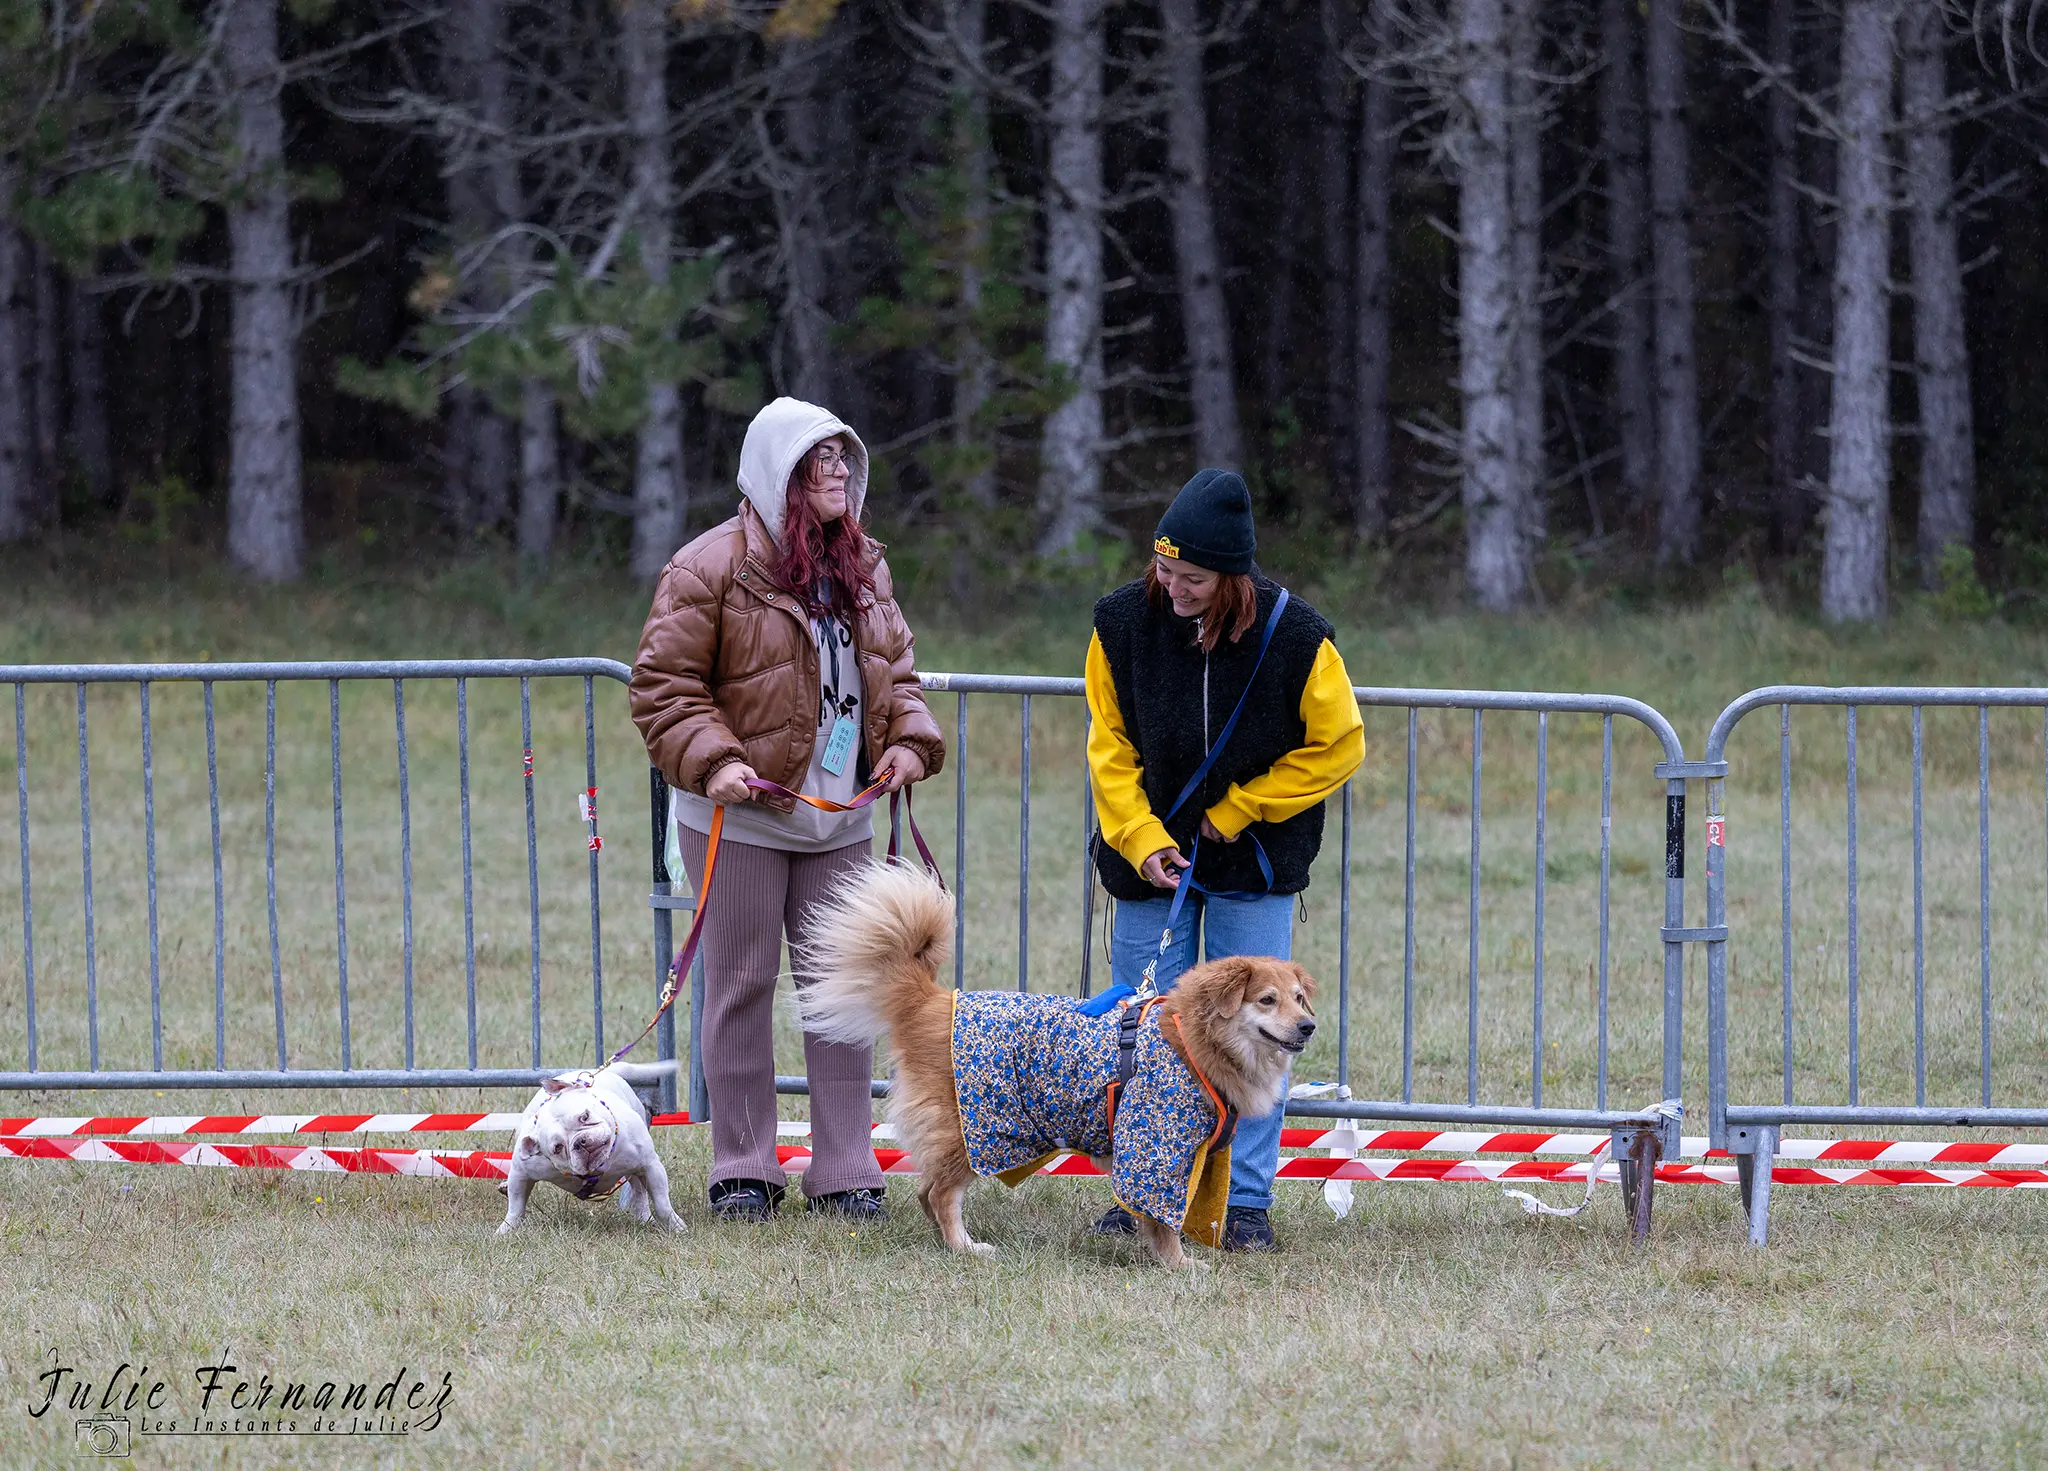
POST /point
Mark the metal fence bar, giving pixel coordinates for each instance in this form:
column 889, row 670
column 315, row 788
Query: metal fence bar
column 1984, row 894
column 1344, row 948
column 404, row 855
column 1785, row 879
column 340, row 867
column 533, row 855
column 596, row 920
column 270, row 858
column 960, row 842
column 92, row 968
column 1606, row 864
column 1407, row 929
column 156, row 990
column 1542, row 819
column 220, row 949
column 28, row 918
column 1472, row 927
column 1087, row 863
column 1855, row 971
column 1024, row 850
column 1919, row 926
column 468, row 864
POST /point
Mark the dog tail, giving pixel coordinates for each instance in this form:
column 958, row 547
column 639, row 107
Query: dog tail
column 877, row 943
column 646, row 1072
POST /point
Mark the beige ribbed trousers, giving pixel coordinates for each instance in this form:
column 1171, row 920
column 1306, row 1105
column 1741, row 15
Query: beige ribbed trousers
column 757, row 895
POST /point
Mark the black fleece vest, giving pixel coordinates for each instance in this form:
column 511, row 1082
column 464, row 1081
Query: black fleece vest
column 1158, row 670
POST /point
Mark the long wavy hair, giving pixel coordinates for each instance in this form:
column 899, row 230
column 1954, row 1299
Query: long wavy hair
column 811, row 553
column 1236, row 605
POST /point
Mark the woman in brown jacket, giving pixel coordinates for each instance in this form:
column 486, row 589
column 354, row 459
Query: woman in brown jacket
column 775, row 649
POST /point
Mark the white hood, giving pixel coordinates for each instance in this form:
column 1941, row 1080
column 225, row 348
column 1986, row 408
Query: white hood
column 781, row 435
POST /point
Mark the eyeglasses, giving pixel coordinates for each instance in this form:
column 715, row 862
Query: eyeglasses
column 830, row 461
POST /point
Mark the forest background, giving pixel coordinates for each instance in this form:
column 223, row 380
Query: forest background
column 1495, row 301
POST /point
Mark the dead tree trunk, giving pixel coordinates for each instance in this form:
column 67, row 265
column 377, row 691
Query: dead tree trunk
column 1205, row 321
column 975, row 382
column 48, row 408
column 91, row 441
column 1335, row 133
column 1677, row 380
column 17, row 454
column 265, row 532
column 1496, row 511
column 1375, row 332
column 1525, row 191
column 540, row 472
column 658, row 490
column 798, row 177
column 1941, row 354
column 1788, row 424
column 480, row 441
column 1621, row 141
column 1070, row 454
column 1859, row 425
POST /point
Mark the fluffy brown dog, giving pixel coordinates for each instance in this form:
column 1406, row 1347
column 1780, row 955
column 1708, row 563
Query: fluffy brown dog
column 886, row 934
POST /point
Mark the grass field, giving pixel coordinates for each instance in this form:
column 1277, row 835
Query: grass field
column 1435, row 1326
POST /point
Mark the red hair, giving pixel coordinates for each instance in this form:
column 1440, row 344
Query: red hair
column 810, row 550
column 1235, row 608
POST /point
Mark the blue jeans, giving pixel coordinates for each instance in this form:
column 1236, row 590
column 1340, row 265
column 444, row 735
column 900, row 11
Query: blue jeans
column 1227, row 927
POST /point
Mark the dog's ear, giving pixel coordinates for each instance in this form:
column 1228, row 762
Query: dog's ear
column 552, row 1086
column 1308, row 984
column 1234, row 978
column 528, row 1146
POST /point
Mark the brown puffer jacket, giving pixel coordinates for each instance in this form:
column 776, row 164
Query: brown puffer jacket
column 728, row 668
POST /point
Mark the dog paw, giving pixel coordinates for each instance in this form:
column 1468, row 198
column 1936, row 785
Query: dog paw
column 980, row 1248
column 506, row 1227
column 675, row 1225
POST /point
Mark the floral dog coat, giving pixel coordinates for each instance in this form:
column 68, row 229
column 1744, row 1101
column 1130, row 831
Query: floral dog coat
column 1033, row 1075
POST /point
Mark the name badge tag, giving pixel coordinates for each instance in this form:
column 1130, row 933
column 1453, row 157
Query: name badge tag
column 839, row 745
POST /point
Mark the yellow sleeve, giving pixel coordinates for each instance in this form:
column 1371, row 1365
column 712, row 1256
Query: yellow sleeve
column 1332, row 750
column 1121, row 808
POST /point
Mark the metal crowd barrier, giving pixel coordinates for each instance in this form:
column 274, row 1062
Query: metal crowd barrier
column 1630, row 1128
column 1751, row 1131
column 290, row 1069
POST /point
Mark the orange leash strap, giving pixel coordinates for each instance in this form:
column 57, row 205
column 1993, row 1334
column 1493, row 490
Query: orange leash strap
column 681, row 965
column 1225, row 1117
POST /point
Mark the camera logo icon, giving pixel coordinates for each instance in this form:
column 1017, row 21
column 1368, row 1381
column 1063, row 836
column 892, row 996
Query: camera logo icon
column 103, row 1435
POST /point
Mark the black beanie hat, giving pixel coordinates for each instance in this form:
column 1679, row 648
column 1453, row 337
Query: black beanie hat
column 1210, row 523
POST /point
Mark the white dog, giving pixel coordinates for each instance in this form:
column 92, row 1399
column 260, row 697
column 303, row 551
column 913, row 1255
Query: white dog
column 586, row 1132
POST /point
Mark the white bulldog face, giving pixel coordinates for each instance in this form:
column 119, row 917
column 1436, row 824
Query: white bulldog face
column 573, row 1129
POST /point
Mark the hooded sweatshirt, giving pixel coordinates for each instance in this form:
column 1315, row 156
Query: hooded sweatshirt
column 777, row 440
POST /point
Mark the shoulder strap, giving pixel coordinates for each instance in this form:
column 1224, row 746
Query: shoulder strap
column 1126, row 1053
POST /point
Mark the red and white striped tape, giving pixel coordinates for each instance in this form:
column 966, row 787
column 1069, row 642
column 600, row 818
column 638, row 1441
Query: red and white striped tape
column 309, row 1123
column 435, row 1164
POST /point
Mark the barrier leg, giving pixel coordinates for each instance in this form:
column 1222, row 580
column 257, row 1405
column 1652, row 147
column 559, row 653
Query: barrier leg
column 1759, row 1201
column 1643, row 1152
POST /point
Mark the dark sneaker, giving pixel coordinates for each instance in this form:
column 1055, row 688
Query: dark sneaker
column 852, row 1205
column 745, row 1200
column 1117, row 1223
column 1247, row 1228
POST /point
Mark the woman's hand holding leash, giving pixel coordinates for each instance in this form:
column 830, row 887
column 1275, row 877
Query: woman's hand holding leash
column 1215, row 834
column 900, row 766
column 730, row 783
column 1163, row 869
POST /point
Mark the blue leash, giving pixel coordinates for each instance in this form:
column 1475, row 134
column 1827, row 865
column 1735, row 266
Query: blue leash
column 1148, row 985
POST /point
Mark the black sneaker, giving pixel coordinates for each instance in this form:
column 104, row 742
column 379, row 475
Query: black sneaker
column 745, row 1200
column 1117, row 1222
column 864, row 1204
column 1247, row 1228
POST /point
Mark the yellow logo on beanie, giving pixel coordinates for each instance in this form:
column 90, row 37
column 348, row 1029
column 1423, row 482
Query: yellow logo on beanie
column 1164, row 547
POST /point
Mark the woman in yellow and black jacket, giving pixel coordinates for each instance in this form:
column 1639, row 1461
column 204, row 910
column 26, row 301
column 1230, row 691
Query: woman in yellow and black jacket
column 1171, row 655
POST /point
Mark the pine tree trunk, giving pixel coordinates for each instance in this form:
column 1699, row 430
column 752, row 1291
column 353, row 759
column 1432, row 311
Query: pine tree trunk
column 1070, row 454
column 17, row 450
column 1677, row 381
column 1375, row 332
column 265, row 533
column 974, row 384
column 1789, row 428
column 483, row 197
column 799, row 184
column 540, row 472
column 1941, row 353
column 1525, row 194
column 1335, row 134
column 1496, row 517
column 658, row 489
column 1276, row 344
column 1621, row 141
column 1205, row 321
column 1859, row 424
column 48, row 407
column 91, row 442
